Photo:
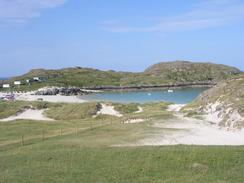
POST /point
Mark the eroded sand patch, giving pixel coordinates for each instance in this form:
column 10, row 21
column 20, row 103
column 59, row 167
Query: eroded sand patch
column 109, row 110
column 30, row 114
column 140, row 110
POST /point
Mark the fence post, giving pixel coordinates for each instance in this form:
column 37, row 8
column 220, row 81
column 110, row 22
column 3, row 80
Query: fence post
column 43, row 135
column 76, row 130
column 22, row 140
column 91, row 125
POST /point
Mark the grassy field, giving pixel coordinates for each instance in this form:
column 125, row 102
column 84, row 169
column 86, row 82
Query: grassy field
column 88, row 157
column 87, row 149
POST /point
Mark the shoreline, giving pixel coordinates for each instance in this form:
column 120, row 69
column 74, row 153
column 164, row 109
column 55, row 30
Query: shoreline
column 151, row 87
column 74, row 98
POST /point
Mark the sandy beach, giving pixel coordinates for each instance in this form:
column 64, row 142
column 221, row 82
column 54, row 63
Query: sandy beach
column 28, row 96
column 30, row 114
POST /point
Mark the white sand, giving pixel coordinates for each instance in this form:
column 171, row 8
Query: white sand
column 109, row 110
column 217, row 115
column 189, row 131
column 29, row 114
column 198, row 132
column 175, row 107
column 49, row 98
column 140, row 110
column 29, row 96
column 134, row 121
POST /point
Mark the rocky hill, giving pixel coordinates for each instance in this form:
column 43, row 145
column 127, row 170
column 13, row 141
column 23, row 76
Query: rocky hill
column 156, row 75
column 185, row 71
column 223, row 104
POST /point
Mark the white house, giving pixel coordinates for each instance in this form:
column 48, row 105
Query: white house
column 36, row 78
column 17, row 83
column 6, row 85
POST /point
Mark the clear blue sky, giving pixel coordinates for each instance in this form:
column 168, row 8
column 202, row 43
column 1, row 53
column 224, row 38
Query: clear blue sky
column 121, row 35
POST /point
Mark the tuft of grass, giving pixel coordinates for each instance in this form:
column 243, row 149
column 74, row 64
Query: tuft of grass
column 73, row 111
column 126, row 108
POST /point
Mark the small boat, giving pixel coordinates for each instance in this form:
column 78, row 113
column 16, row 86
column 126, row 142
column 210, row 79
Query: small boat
column 170, row 91
column 149, row 94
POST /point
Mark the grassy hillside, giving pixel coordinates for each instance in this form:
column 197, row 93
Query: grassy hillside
column 185, row 71
column 159, row 74
column 227, row 100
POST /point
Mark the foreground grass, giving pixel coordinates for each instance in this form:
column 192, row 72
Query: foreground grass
column 93, row 154
column 66, row 159
column 90, row 156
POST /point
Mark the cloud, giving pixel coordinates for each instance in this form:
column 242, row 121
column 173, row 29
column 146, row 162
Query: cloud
column 20, row 11
column 208, row 14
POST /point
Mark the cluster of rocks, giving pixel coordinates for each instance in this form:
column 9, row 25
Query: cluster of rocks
column 67, row 91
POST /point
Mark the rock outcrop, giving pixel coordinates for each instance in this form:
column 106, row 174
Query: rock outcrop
column 67, row 91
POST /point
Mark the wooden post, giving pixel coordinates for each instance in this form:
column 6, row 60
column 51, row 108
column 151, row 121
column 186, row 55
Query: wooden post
column 91, row 125
column 22, row 140
column 76, row 130
column 61, row 131
column 43, row 135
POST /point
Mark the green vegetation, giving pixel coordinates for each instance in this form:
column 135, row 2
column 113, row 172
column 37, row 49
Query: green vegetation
column 88, row 157
column 126, row 108
column 183, row 71
column 79, row 148
column 73, row 111
column 159, row 74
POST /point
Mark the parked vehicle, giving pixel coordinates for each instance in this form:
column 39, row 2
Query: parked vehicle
column 9, row 97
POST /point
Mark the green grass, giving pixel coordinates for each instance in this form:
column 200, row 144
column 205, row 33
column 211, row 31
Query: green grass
column 93, row 153
column 72, row 111
column 126, row 108
column 88, row 158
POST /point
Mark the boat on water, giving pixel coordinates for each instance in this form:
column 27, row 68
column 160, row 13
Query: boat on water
column 170, row 91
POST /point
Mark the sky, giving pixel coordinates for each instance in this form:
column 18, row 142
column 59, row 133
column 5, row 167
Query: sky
column 121, row 35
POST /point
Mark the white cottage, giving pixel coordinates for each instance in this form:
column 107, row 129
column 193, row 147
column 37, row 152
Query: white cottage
column 36, row 79
column 17, row 83
column 6, row 85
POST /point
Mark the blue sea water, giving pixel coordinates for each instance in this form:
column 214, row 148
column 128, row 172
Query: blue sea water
column 179, row 96
column 2, row 78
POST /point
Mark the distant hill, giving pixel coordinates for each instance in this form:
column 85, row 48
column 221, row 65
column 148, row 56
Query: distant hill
column 158, row 74
column 188, row 71
column 225, row 102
